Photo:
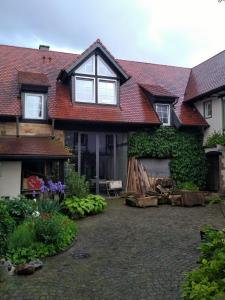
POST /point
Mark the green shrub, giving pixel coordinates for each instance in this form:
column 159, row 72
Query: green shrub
column 7, row 225
column 20, row 207
column 23, row 236
column 216, row 138
column 48, row 206
column 40, row 237
column 208, row 281
column 92, row 204
column 76, row 185
column 189, row 186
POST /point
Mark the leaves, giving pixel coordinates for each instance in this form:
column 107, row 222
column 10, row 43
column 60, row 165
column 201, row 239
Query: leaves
column 188, row 162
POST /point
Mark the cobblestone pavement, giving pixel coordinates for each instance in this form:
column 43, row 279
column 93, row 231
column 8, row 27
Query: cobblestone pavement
column 134, row 254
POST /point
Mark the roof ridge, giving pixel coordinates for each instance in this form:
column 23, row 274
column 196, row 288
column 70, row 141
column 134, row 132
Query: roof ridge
column 150, row 63
column 208, row 59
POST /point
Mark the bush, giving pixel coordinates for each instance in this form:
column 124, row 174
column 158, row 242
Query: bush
column 215, row 138
column 208, row 281
column 20, row 207
column 189, row 186
column 92, row 204
column 40, row 237
column 7, row 225
column 48, row 206
column 76, row 185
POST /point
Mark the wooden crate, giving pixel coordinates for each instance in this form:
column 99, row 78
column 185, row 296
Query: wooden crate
column 147, row 201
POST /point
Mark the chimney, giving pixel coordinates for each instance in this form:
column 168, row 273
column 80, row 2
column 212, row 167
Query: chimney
column 44, row 47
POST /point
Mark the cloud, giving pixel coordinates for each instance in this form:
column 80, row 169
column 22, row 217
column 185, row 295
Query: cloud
column 170, row 32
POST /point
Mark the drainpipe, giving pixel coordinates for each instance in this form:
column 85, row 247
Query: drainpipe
column 17, row 127
column 53, row 128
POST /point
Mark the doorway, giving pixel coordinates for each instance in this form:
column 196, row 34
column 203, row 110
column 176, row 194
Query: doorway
column 213, row 170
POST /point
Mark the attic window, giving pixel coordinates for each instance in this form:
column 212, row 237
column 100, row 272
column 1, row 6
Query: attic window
column 34, row 106
column 163, row 111
column 87, row 67
column 95, row 82
column 208, row 109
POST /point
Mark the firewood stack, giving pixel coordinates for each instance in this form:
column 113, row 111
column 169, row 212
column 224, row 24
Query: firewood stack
column 137, row 178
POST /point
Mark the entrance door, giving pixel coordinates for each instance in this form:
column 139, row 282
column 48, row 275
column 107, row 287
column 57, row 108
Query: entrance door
column 213, row 172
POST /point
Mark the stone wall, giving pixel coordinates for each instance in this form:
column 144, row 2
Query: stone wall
column 222, row 171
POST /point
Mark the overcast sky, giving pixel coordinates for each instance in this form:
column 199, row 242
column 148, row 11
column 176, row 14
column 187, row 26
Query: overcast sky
column 174, row 32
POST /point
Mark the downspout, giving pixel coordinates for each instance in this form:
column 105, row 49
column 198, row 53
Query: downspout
column 53, row 129
column 17, row 127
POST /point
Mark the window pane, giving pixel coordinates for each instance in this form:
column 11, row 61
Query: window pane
column 104, row 69
column 34, row 107
column 85, row 90
column 106, row 92
column 208, row 109
column 163, row 111
column 87, row 67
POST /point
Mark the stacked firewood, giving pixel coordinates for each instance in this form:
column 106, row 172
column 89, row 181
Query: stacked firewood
column 138, row 179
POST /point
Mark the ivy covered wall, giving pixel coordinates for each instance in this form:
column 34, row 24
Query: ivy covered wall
column 188, row 162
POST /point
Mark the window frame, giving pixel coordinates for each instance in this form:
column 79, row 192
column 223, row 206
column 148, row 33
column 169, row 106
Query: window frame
column 115, row 87
column 204, row 109
column 169, row 113
column 99, row 59
column 96, row 79
column 94, row 63
column 43, row 115
column 94, row 88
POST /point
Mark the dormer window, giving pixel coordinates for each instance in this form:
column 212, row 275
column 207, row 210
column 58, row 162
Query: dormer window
column 163, row 111
column 34, row 106
column 95, row 82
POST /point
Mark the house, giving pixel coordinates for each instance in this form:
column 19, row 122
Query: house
column 89, row 103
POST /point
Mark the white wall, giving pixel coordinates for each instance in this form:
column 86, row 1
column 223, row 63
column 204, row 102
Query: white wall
column 10, row 178
column 216, row 122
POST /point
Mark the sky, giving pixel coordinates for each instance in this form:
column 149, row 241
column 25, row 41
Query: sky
column 172, row 32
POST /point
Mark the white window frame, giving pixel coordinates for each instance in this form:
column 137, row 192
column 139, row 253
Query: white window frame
column 169, row 112
column 207, row 116
column 43, row 107
column 93, row 70
column 87, row 78
column 116, row 92
column 100, row 59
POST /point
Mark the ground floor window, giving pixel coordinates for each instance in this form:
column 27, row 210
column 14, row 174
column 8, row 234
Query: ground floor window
column 100, row 156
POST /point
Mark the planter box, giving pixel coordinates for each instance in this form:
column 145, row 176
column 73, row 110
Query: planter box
column 142, row 201
column 190, row 198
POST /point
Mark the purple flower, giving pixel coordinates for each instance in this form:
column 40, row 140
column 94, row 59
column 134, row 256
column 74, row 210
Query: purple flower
column 43, row 187
column 33, row 194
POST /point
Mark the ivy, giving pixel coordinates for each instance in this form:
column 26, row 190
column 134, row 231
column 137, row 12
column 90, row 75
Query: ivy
column 188, row 163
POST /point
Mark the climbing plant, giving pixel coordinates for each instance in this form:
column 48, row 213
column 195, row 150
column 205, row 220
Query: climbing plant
column 185, row 149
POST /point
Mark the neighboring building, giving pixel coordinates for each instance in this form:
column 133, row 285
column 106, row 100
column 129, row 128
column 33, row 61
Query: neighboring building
column 90, row 102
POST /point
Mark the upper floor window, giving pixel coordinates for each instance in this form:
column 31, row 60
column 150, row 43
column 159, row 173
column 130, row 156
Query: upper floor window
column 95, row 82
column 208, row 109
column 34, row 106
column 163, row 111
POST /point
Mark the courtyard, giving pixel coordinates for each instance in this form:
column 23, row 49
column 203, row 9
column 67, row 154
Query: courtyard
column 123, row 253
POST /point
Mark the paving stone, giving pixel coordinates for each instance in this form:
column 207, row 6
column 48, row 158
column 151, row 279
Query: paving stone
column 134, row 253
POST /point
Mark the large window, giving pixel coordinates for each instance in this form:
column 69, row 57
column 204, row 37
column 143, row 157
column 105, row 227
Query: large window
column 85, row 91
column 34, row 106
column 163, row 111
column 95, row 82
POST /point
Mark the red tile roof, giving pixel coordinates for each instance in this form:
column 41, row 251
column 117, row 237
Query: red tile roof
column 206, row 77
column 134, row 107
column 33, row 78
column 157, row 90
column 32, row 146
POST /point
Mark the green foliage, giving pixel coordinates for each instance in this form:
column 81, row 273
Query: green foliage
column 208, row 281
column 215, row 138
column 19, row 208
column 48, row 206
column 76, row 185
column 214, row 199
column 23, row 236
column 188, row 163
column 7, row 225
column 92, row 204
column 40, row 237
column 189, row 186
